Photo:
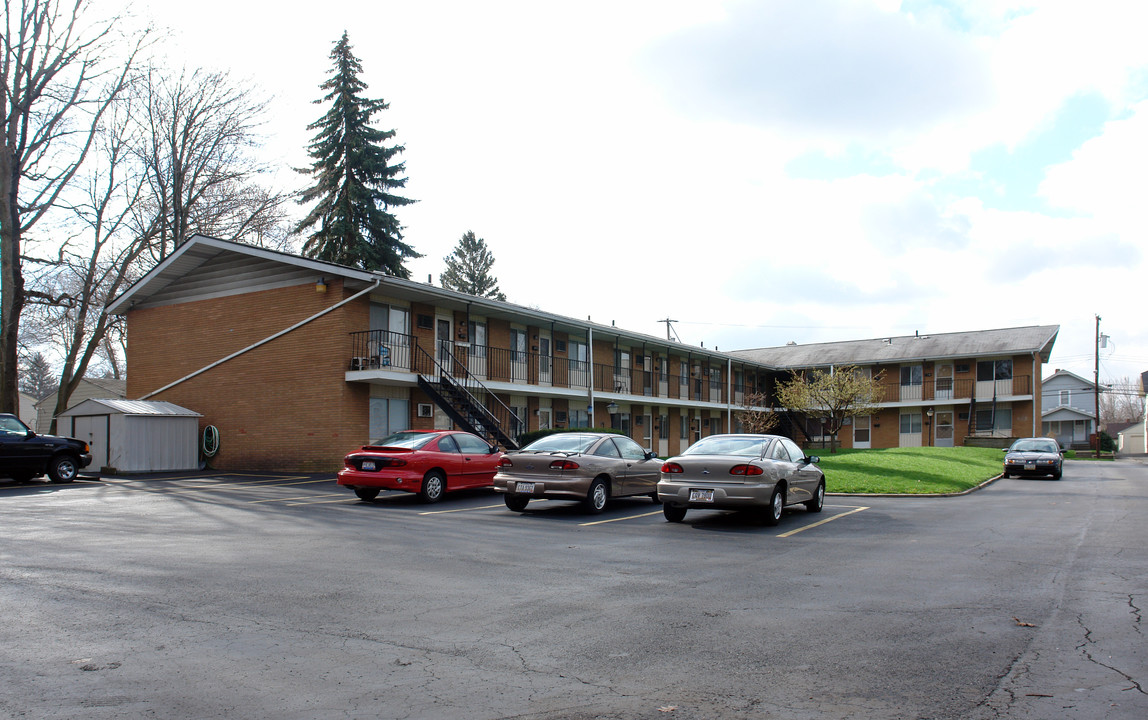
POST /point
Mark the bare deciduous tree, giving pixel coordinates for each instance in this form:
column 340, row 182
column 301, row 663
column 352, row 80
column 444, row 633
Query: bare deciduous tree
column 1122, row 401
column 755, row 415
column 846, row 392
column 198, row 132
column 59, row 75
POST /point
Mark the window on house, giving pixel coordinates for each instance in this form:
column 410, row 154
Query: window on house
column 395, row 320
column 1065, row 397
column 685, row 426
column 579, row 418
column 996, row 423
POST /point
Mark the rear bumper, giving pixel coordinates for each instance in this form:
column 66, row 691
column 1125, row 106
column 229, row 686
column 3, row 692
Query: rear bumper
column 726, row 496
column 544, row 487
column 383, row 480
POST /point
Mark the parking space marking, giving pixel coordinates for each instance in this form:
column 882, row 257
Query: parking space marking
column 466, row 509
column 317, row 500
column 224, row 487
column 810, row 526
column 300, row 497
column 628, row 517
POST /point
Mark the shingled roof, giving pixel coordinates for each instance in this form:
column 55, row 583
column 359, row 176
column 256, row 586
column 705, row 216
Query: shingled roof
column 907, row 348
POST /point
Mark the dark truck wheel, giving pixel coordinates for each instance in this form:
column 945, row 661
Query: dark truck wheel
column 63, row 469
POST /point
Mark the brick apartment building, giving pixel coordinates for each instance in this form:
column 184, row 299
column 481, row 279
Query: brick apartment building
column 297, row 361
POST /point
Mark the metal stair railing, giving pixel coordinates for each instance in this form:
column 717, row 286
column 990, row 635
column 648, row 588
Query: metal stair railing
column 463, row 389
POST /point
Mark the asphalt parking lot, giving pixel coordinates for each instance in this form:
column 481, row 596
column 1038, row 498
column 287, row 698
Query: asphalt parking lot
column 282, row 596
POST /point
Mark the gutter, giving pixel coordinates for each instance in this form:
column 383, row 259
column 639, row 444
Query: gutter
column 264, row 341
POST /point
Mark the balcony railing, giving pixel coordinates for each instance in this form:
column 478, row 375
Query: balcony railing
column 381, row 349
column 943, row 389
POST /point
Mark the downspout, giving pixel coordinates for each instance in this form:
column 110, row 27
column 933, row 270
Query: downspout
column 590, row 362
column 264, row 341
column 1035, row 386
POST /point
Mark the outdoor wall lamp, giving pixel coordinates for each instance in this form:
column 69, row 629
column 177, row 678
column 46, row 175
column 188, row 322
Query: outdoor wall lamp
column 321, row 286
column 612, row 408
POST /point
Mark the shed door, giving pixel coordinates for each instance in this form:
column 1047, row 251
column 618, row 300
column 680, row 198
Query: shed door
column 93, row 429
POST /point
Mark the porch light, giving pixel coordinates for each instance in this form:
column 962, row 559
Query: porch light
column 929, row 412
column 612, row 408
column 321, row 286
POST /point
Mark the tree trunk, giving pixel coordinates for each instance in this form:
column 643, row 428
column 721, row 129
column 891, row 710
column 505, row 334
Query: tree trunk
column 11, row 282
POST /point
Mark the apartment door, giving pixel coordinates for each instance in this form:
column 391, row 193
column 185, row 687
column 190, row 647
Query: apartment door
column 647, row 432
column 545, row 361
column 943, row 383
column 862, row 439
column 943, row 434
column 545, row 418
column 476, row 356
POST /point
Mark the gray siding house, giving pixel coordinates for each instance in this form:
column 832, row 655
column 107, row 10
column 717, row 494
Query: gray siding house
column 1068, row 408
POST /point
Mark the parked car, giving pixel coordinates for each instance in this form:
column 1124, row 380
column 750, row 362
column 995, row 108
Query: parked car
column 427, row 462
column 590, row 467
column 25, row 455
column 1034, row 457
column 762, row 473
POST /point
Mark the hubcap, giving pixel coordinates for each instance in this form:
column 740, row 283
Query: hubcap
column 600, row 496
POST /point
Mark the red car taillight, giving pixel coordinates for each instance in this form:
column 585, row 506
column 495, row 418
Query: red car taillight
column 564, row 465
column 746, row 470
column 672, row 468
column 505, row 462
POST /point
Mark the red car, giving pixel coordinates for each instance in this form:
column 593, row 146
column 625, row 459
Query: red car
column 427, row 462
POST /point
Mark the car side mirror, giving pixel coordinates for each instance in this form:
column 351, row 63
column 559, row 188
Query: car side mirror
column 813, row 459
column 651, row 455
column 1004, row 450
column 493, row 449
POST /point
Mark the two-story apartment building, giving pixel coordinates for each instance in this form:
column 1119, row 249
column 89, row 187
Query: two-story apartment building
column 937, row 390
column 297, row 361
column 1068, row 409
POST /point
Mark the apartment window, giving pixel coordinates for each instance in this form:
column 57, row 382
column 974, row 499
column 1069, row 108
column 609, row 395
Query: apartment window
column 621, row 421
column 912, row 375
column 621, row 362
column 999, row 422
column 685, row 426
column 388, row 415
column 476, row 333
column 1065, row 397
column 391, row 319
column 517, row 345
column 579, row 418
column 911, row 423
column 663, row 369
column 684, row 375
column 994, row 370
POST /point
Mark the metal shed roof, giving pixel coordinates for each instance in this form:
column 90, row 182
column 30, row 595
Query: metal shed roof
column 978, row 343
column 128, row 407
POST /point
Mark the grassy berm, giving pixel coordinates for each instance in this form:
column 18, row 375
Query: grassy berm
column 915, row 471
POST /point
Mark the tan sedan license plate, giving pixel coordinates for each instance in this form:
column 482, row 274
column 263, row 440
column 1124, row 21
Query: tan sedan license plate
column 701, row 495
column 526, row 488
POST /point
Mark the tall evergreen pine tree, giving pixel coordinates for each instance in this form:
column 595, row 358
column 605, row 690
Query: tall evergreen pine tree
column 468, row 269
column 356, row 178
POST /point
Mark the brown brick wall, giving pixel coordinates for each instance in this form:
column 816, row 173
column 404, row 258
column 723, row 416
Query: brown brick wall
column 282, row 406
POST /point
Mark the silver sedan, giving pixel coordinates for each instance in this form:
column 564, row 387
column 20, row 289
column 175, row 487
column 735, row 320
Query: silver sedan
column 763, row 473
column 590, row 467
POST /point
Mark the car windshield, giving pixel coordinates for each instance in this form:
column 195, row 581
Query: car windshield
column 562, row 442
column 412, row 440
column 1048, row 446
column 744, row 445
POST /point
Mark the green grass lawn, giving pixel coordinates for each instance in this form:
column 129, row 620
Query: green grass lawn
column 908, row 470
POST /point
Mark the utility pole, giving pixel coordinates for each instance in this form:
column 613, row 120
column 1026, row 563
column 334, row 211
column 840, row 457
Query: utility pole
column 1096, row 389
column 667, row 321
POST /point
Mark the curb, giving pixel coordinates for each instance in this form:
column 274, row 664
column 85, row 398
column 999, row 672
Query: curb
column 973, row 489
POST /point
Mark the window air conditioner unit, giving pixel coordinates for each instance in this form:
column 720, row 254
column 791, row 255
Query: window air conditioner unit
column 425, row 410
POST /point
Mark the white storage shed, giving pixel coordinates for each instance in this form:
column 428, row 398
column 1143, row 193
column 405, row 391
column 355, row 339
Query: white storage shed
column 134, row 435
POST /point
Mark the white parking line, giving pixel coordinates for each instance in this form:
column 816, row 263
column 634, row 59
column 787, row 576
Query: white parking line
column 821, row 522
column 628, row 517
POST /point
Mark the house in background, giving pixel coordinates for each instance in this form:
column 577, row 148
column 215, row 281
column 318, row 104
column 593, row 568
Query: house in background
column 108, row 388
column 27, row 412
column 297, row 361
column 979, row 387
column 1068, row 409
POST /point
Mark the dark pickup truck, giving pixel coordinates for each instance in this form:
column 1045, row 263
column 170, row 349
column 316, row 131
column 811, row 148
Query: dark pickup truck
column 25, row 455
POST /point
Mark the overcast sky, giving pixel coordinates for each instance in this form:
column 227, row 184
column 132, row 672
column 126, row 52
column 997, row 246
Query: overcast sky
column 760, row 172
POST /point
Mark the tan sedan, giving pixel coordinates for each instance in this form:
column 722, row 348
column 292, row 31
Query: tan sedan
column 760, row 473
column 589, row 467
